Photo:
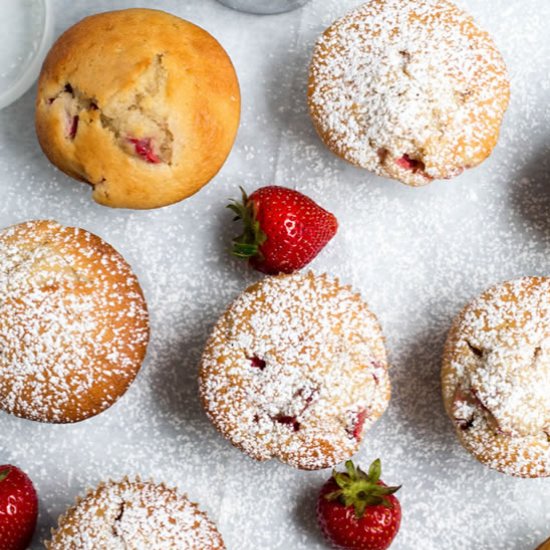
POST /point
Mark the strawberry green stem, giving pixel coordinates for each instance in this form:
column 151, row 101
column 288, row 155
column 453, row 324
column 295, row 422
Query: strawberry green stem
column 247, row 245
column 360, row 489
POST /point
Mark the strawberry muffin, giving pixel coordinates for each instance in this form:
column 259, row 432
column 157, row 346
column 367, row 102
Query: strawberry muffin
column 140, row 104
column 296, row 369
column 409, row 89
column 73, row 323
column 135, row 514
column 496, row 377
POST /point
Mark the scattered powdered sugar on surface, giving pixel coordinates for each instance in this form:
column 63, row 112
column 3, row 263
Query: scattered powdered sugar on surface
column 417, row 255
column 132, row 514
column 408, row 88
column 296, row 369
column 497, row 376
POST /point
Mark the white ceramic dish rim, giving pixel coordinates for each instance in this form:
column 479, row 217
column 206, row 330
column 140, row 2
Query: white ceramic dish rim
column 27, row 78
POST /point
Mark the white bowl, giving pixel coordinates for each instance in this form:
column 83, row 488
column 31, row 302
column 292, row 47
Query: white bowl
column 264, row 7
column 26, row 27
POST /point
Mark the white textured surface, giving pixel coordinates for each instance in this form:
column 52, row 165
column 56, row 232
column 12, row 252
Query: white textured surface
column 416, row 254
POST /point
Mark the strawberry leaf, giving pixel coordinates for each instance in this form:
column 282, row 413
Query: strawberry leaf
column 4, row 473
column 361, row 490
column 247, row 245
column 375, row 471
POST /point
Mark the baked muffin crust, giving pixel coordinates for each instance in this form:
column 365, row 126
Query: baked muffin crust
column 73, row 323
column 409, row 89
column 142, row 105
column 296, row 369
column 496, row 377
column 134, row 515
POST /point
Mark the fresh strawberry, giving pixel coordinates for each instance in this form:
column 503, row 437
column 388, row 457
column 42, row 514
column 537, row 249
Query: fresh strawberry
column 18, row 509
column 283, row 229
column 357, row 511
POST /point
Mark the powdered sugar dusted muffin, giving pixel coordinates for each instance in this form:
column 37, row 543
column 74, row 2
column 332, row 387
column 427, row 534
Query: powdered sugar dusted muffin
column 140, row 104
column 73, row 323
column 496, row 377
column 296, row 369
column 408, row 89
column 135, row 515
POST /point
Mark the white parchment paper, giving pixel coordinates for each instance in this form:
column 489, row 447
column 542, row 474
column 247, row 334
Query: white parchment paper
column 417, row 255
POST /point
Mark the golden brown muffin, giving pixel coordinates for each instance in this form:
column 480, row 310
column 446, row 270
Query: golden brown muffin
column 73, row 323
column 545, row 545
column 409, row 89
column 142, row 105
column 296, row 369
column 496, row 377
column 135, row 515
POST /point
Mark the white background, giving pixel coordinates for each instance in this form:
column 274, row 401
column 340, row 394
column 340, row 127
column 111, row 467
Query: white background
column 417, row 255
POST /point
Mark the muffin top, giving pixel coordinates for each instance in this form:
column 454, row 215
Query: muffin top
column 142, row 105
column 412, row 90
column 73, row 323
column 496, row 376
column 296, row 369
column 132, row 515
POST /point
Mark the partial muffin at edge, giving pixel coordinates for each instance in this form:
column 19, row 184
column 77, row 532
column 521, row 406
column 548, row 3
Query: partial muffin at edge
column 74, row 325
column 496, row 377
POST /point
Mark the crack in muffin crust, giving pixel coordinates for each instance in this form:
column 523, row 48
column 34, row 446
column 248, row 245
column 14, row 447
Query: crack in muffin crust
column 137, row 129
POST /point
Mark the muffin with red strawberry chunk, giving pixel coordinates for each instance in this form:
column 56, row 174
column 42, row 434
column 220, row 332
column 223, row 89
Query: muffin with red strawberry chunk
column 74, row 326
column 296, row 369
column 496, row 377
column 135, row 514
column 140, row 104
column 409, row 90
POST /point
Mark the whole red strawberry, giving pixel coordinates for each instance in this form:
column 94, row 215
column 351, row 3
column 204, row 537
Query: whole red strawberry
column 283, row 229
column 18, row 509
column 357, row 511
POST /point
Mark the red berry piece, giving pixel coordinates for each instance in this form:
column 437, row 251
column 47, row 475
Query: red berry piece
column 357, row 428
column 411, row 164
column 283, row 229
column 289, row 420
column 144, row 149
column 357, row 511
column 18, row 509
column 257, row 362
column 73, row 127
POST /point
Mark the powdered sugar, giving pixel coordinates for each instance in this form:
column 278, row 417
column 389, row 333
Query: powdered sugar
column 408, row 89
column 496, row 377
column 296, row 369
column 417, row 255
column 73, row 323
column 133, row 515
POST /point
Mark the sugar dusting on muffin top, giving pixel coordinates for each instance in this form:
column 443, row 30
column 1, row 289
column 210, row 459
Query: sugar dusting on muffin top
column 408, row 89
column 296, row 369
column 499, row 376
column 134, row 514
column 73, row 323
